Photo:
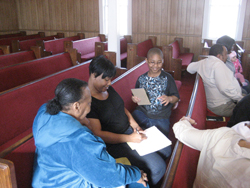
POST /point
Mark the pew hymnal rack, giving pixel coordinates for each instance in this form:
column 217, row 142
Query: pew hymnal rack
column 155, row 141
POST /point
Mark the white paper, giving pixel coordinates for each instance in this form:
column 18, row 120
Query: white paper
column 141, row 93
column 155, row 141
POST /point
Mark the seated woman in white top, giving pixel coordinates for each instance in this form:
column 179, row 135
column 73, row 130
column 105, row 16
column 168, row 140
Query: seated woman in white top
column 225, row 153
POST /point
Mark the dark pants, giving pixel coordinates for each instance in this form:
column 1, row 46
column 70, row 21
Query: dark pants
column 154, row 164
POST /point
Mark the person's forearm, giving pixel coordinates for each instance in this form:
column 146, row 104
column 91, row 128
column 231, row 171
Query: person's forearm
column 131, row 120
column 173, row 99
column 113, row 138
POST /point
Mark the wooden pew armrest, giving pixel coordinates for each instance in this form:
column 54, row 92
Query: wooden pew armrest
column 46, row 53
column 5, row 48
column 172, row 166
column 7, row 174
column 176, row 65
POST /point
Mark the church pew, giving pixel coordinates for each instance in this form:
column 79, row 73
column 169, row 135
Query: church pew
column 181, row 170
column 4, row 49
column 21, row 33
column 52, row 47
column 19, row 57
column 100, row 47
column 136, row 53
column 8, row 41
column 18, row 109
column 26, row 44
column 21, row 151
column 15, row 75
column 177, row 57
column 86, row 47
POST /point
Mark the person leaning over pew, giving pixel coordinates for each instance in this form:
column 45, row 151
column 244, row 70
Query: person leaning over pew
column 224, row 153
column 161, row 91
column 221, row 87
column 67, row 152
column 111, row 121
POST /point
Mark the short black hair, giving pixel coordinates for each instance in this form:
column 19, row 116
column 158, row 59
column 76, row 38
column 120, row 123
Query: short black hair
column 101, row 65
column 216, row 49
column 67, row 91
column 226, row 41
column 154, row 51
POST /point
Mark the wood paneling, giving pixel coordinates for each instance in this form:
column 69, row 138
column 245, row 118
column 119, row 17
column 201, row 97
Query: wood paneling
column 67, row 16
column 8, row 17
column 168, row 19
column 165, row 19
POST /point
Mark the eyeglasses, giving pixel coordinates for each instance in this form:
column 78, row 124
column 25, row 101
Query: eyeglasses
column 155, row 63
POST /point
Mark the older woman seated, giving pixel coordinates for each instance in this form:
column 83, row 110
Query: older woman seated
column 67, row 153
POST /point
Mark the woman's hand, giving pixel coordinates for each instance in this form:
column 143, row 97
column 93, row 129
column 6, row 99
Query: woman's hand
column 143, row 179
column 191, row 121
column 136, row 99
column 137, row 136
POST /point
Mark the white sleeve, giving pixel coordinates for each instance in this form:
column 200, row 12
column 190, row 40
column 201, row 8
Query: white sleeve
column 189, row 135
column 227, row 83
column 192, row 67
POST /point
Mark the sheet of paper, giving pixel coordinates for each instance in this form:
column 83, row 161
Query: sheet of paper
column 141, row 93
column 155, row 141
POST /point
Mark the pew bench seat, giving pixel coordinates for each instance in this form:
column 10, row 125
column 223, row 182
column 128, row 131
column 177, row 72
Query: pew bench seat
column 19, row 57
column 19, row 74
column 51, row 47
column 17, row 144
column 30, row 97
column 181, row 171
column 85, row 47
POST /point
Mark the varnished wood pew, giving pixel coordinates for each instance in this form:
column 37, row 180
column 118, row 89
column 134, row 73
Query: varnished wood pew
column 19, row 57
column 176, row 57
column 4, row 49
column 19, row 74
column 181, row 170
column 26, row 44
column 100, row 47
column 18, row 109
column 21, row 33
column 85, row 47
column 52, row 47
column 137, row 53
column 8, row 41
column 18, row 145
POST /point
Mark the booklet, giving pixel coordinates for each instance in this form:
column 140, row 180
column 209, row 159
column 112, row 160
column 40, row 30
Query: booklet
column 141, row 93
column 155, row 141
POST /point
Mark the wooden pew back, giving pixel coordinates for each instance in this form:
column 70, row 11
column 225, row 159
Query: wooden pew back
column 8, row 41
column 137, row 53
column 18, row 119
column 19, row 57
column 26, row 44
column 22, row 33
column 15, row 75
column 56, row 46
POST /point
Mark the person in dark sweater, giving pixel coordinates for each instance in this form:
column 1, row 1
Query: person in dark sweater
column 111, row 121
column 241, row 112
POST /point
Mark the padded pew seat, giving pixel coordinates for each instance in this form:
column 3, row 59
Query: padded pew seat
column 86, row 47
column 185, row 57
